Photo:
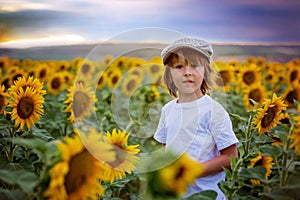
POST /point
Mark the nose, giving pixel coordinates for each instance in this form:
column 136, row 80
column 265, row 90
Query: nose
column 187, row 70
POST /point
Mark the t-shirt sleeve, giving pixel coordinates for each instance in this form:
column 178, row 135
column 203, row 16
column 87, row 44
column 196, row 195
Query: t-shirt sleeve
column 161, row 131
column 221, row 128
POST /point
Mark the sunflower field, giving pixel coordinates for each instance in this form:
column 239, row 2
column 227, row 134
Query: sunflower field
column 82, row 129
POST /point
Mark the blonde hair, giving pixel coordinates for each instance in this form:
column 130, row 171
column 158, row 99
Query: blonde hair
column 194, row 57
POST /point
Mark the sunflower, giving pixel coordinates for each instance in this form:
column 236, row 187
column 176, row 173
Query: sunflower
column 176, row 177
column 62, row 65
column 276, row 141
column 86, row 68
column 5, row 80
column 261, row 160
column 285, row 118
column 154, row 69
column 43, row 71
column 77, row 175
column 23, row 82
column 3, row 98
column 102, row 77
column 113, row 77
column 268, row 115
column 136, row 62
column 137, row 71
column 152, row 95
column 56, row 83
column 227, row 77
column 249, row 75
column 125, row 155
column 107, row 60
column 121, row 63
column 18, row 73
column 130, row 84
column 296, row 135
column 80, row 100
column 255, row 92
column 27, row 107
column 270, row 80
column 292, row 93
column 293, row 73
column 68, row 78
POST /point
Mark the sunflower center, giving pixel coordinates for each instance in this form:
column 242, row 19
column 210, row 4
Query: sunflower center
column 115, row 79
column 269, row 77
column 80, row 103
column 269, row 117
column 154, row 68
column 225, row 76
column 255, row 95
column 121, row 155
column 120, row 63
column 25, row 107
column 130, row 85
column 56, row 83
column 291, row 96
column 85, row 68
column 179, row 173
column 259, row 163
column 293, row 75
column 15, row 77
column 81, row 167
column 100, row 81
column 249, row 78
column 6, row 83
column 43, row 73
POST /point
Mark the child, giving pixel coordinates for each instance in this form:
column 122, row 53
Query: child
column 193, row 122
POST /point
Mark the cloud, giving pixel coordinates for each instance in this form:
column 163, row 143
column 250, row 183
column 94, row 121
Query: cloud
column 45, row 41
column 245, row 21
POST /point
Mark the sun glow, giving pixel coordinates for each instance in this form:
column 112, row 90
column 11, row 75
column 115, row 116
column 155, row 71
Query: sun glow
column 52, row 40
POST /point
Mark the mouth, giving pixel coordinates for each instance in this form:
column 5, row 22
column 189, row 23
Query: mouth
column 188, row 81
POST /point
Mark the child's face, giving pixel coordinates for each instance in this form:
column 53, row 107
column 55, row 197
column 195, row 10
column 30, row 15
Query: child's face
column 187, row 76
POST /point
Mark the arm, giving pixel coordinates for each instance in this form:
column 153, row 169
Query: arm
column 218, row 163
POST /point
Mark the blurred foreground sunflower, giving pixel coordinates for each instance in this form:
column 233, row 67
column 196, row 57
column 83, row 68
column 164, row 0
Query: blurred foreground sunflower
column 177, row 176
column 126, row 157
column 78, row 174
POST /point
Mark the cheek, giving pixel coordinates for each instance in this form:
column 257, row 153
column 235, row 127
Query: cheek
column 200, row 71
column 175, row 74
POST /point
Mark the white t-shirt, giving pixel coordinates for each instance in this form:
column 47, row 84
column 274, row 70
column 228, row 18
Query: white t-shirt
column 202, row 128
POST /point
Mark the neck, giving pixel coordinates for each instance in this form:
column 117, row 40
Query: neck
column 184, row 97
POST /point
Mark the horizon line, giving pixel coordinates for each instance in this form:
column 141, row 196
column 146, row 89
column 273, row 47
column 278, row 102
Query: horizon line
column 151, row 42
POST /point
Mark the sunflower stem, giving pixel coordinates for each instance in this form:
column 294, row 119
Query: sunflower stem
column 11, row 146
column 285, row 165
column 66, row 128
column 233, row 178
column 248, row 135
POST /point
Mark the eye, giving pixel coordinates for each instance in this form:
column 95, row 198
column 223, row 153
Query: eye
column 179, row 66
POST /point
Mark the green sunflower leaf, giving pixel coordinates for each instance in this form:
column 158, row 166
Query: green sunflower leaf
column 23, row 179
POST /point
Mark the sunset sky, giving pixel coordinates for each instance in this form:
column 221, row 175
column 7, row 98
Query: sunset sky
column 25, row 23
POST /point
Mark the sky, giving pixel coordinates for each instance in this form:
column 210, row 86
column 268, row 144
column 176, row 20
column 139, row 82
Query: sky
column 26, row 23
